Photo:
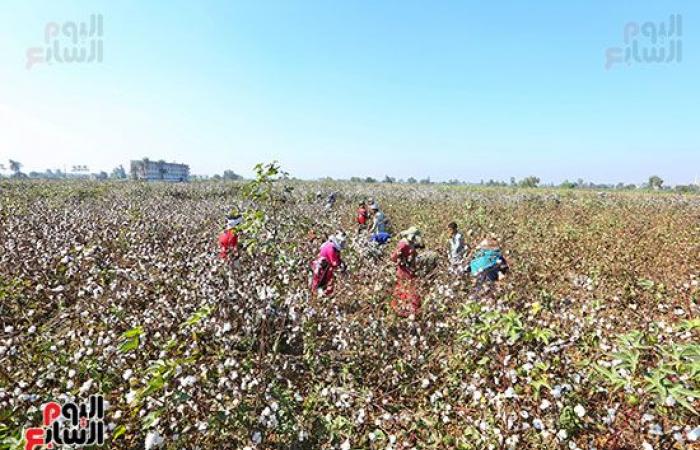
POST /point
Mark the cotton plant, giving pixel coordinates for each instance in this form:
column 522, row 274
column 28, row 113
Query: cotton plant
column 119, row 291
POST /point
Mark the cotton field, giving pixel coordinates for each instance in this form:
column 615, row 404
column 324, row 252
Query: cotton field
column 591, row 341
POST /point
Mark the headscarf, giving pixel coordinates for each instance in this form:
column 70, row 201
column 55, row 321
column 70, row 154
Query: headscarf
column 338, row 240
column 233, row 222
column 488, row 244
column 412, row 235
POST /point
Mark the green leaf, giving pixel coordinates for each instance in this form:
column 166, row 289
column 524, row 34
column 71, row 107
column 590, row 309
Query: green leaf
column 150, row 420
column 137, row 331
column 120, row 430
column 128, row 345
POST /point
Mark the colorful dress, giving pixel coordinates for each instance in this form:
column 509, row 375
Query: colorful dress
column 228, row 243
column 322, row 268
column 362, row 216
column 486, row 264
column 406, row 300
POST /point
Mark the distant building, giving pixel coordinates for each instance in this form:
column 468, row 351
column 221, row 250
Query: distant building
column 148, row 170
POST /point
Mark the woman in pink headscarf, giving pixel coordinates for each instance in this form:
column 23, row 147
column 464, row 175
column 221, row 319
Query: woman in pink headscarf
column 325, row 264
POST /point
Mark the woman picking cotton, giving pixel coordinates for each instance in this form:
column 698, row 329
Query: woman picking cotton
column 406, row 299
column 325, row 264
column 228, row 240
column 487, row 264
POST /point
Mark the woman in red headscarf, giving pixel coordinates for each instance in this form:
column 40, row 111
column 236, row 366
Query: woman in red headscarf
column 406, row 300
column 228, row 240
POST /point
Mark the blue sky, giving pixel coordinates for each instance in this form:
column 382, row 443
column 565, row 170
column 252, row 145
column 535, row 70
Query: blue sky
column 446, row 89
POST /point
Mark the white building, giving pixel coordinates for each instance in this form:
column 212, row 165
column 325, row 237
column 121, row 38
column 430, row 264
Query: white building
column 148, row 170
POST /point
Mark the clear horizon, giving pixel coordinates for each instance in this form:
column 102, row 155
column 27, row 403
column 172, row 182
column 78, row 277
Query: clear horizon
column 448, row 90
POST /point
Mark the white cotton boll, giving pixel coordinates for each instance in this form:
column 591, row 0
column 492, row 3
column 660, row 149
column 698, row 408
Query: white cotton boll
column 257, row 438
column 153, row 439
column 694, row 434
column 647, row 446
column 425, row 383
column 130, row 396
column 580, row 411
column 545, row 404
column 71, row 373
column 345, row 445
column 562, row 434
column 509, row 393
column 188, row 381
column 85, row 387
column 537, row 424
column 556, row 392
column 127, row 374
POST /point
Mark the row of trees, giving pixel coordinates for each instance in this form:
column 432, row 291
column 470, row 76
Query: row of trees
column 390, row 180
column 654, row 182
column 119, row 173
column 228, row 175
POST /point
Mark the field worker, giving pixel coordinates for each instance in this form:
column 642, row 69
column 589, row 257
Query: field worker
column 228, row 240
column 380, row 238
column 362, row 216
column 330, row 201
column 457, row 247
column 371, row 202
column 325, row 264
column 487, row 263
column 378, row 220
column 406, row 300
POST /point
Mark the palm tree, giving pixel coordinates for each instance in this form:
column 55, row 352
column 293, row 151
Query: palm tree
column 15, row 166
